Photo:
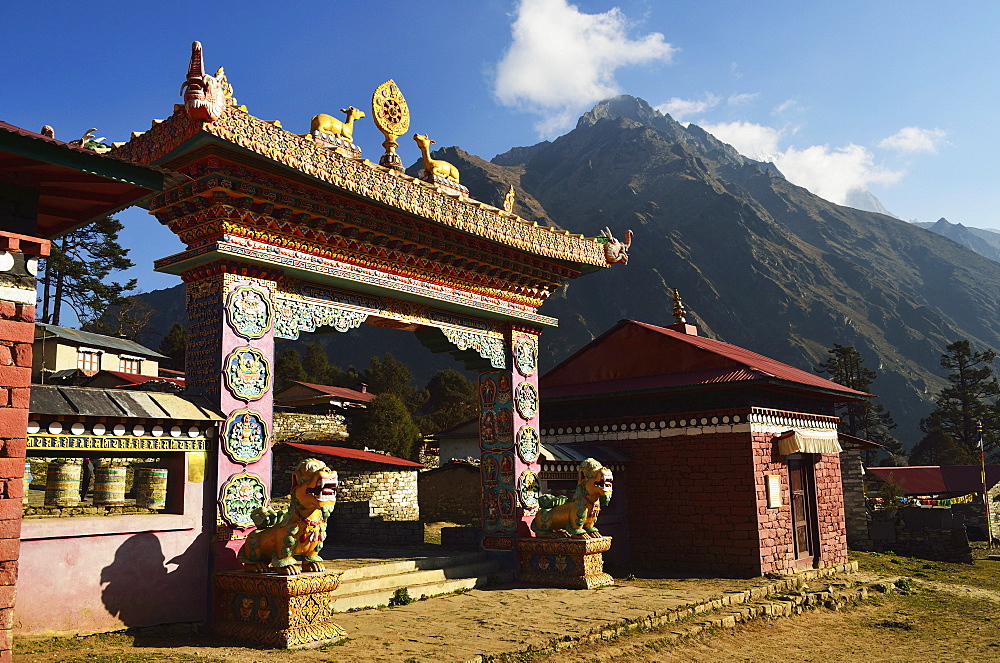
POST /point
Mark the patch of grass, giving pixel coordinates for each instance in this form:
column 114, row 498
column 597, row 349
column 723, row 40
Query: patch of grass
column 401, row 597
column 96, row 641
column 139, row 657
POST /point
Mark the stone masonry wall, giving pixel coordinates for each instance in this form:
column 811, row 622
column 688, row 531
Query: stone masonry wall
column 298, row 427
column 451, row 494
column 852, row 481
column 390, row 491
column 926, row 533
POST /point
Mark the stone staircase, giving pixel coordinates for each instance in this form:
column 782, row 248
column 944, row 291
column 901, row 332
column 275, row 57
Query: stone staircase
column 374, row 585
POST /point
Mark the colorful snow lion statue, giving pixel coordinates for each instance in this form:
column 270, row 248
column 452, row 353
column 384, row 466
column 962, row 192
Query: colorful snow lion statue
column 575, row 517
column 281, row 536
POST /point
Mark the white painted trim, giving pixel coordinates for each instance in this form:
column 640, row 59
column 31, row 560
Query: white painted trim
column 18, row 295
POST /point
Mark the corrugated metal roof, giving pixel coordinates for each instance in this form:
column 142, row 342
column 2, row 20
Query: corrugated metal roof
column 652, row 382
column 938, row 479
column 55, row 400
column 339, row 392
column 135, row 378
column 98, row 340
column 354, row 454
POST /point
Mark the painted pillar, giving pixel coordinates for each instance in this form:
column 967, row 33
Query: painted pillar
column 509, row 443
column 230, row 359
column 18, row 266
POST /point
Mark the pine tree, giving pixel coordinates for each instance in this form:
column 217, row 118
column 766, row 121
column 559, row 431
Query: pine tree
column 453, row 398
column 391, row 376
column 288, row 370
column 939, row 448
column 316, row 364
column 386, row 425
column 76, row 271
column 174, row 346
column 865, row 419
column 970, row 397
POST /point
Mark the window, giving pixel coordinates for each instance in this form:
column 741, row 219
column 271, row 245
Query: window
column 88, row 361
column 129, row 365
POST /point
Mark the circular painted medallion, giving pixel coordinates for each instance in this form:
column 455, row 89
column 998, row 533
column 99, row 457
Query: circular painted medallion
column 526, row 400
column 527, row 444
column 389, row 110
column 240, row 495
column 245, row 437
column 527, row 489
column 526, row 356
column 247, row 373
column 249, row 311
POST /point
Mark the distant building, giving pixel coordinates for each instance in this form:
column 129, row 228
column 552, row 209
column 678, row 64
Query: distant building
column 321, row 398
column 60, row 352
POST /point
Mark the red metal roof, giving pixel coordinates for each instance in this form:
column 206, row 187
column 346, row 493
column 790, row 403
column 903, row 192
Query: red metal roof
column 636, row 356
column 355, row 454
column 75, row 185
column 938, row 479
column 135, row 378
column 339, row 392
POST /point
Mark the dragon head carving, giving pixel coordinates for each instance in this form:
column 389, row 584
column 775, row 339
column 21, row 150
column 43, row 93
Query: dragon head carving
column 204, row 95
column 614, row 250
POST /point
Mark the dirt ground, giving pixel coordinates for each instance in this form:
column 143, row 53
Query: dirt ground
column 951, row 613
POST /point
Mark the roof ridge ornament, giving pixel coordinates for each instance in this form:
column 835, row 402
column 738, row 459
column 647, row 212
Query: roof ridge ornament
column 392, row 117
column 679, row 309
column 205, row 96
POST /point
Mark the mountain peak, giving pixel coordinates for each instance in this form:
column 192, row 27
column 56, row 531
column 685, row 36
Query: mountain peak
column 628, row 107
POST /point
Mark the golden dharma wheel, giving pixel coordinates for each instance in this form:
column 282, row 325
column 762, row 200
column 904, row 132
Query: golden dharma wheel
column 389, row 110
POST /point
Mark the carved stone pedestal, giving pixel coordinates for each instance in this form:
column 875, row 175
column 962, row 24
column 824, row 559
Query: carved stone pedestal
column 287, row 612
column 571, row 563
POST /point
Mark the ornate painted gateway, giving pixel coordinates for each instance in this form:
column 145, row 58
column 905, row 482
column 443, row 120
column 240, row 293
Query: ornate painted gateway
column 288, row 233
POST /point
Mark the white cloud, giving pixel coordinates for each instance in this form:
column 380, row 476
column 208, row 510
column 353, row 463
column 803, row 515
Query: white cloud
column 562, row 60
column 833, row 173
column 830, row 173
column 785, row 106
column 742, row 99
column 753, row 140
column 914, row 140
column 679, row 108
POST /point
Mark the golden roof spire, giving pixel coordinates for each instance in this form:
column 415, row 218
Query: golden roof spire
column 679, row 310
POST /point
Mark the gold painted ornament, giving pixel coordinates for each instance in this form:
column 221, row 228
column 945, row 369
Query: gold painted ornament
column 392, row 117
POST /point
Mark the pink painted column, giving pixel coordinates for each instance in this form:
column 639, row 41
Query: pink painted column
column 509, row 443
column 230, row 360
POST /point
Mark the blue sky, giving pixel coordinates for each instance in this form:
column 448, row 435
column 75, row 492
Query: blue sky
column 900, row 98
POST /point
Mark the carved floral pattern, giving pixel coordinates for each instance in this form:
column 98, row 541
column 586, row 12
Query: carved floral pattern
column 249, row 312
column 526, row 400
column 240, row 495
column 295, row 315
column 245, row 437
column 247, row 373
column 488, row 347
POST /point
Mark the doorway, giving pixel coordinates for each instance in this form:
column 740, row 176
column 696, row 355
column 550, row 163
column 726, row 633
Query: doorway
column 802, row 489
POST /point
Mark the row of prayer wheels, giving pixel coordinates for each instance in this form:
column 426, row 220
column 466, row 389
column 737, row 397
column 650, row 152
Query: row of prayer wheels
column 63, row 482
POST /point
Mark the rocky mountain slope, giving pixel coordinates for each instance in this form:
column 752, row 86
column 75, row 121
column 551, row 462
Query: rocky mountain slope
column 759, row 262
column 982, row 241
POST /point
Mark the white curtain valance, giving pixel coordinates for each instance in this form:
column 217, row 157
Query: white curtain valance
column 808, row 442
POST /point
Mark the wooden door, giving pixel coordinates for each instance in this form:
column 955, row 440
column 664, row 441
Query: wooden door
column 803, row 502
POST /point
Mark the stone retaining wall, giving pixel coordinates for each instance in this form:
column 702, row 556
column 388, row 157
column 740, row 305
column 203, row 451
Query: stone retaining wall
column 359, row 522
column 452, row 493
column 298, row 427
column 931, row 533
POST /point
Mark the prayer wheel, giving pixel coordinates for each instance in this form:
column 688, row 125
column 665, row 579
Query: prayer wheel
column 109, row 486
column 150, row 487
column 62, row 482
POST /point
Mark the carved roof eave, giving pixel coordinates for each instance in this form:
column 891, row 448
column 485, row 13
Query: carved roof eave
column 169, row 140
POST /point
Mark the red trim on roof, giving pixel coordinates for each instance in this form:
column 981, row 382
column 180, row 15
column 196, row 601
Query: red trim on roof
column 723, row 364
column 355, row 454
column 135, row 378
column 936, row 479
column 339, row 392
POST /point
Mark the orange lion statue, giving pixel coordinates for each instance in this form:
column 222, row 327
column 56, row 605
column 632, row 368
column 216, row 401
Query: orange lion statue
column 559, row 516
column 300, row 531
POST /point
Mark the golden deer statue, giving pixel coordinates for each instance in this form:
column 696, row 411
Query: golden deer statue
column 331, row 126
column 435, row 166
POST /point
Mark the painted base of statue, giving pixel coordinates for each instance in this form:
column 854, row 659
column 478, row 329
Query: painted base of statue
column 569, row 563
column 343, row 147
column 445, row 185
column 275, row 610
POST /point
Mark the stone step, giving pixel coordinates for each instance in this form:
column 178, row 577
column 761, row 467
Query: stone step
column 406, row 566
column 374, row 585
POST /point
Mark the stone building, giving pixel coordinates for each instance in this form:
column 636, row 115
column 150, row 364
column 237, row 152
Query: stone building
column 376, row 493
column 60, row 351
column 734, row 456
column 852, row 480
